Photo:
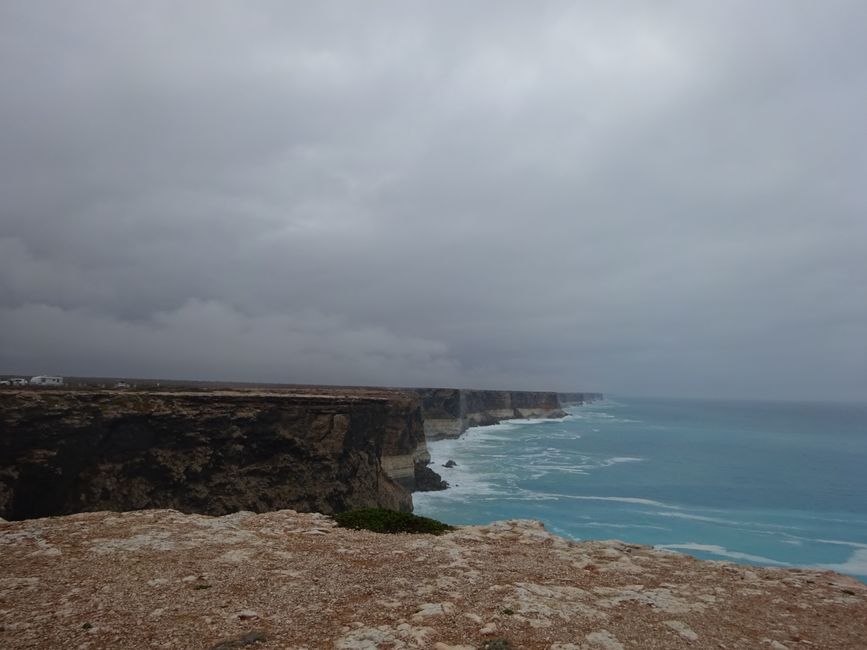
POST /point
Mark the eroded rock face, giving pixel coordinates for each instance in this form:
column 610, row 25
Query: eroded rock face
column 448, row 412
column 163, row 579
column 209, row 452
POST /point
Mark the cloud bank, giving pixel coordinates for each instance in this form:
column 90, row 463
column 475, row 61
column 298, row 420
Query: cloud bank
column 639, row 200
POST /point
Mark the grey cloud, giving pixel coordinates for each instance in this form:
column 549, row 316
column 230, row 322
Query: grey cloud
column 578, row 196
column 206, row 339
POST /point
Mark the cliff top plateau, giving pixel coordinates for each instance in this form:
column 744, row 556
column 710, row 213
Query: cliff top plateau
column 162, row 579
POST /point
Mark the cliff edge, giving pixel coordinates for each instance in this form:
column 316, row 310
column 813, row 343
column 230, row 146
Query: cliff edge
column 210, row 452
column 161, row 579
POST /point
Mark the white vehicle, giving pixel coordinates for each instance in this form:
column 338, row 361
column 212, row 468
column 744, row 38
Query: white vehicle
column 18, row 381
column 44, row 380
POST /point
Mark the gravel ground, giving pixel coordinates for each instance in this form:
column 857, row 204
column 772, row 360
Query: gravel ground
column 162, row 579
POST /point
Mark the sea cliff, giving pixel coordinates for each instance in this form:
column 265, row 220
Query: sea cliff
column 219, row 450
column 448, row 412
column 209, row 452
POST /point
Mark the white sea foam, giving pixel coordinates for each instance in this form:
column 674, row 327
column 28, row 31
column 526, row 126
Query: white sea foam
column 797, row 539
column 855, row 565
column 605, row 524
column 632, row 500
column 542, row 470
column 752, row 527
column 554, row 460
column 842, row 543
column 463, row 485
column 720, row 551
column 527, row 421
column 712, row 520
column 835, row 520
column 465, row 479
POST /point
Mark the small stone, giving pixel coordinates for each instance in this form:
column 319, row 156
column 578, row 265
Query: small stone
column 776, row 645
column 490, row 628
column 602, row 640
column 683, row 630
column 433, row 609
column 245, row 615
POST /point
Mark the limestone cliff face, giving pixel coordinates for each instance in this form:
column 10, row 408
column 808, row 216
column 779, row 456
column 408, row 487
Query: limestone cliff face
column 405, row 456
column 448, row 412
column 208, row 452
column 442, row 410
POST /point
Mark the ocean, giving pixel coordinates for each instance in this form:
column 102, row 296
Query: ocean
column 766, row 483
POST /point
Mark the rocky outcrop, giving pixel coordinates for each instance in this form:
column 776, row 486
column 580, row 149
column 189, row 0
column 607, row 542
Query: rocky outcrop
column 427, row 480
column 210, row 452
column 448, row 412
column 163, row 579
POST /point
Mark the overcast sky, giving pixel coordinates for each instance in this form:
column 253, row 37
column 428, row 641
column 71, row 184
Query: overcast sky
column 661, row 198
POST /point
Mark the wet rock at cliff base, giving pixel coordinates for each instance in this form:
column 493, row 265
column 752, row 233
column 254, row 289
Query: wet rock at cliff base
column 450, row 463
column 427, row 480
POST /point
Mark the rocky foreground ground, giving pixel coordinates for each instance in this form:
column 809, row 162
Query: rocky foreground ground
column 162, row 579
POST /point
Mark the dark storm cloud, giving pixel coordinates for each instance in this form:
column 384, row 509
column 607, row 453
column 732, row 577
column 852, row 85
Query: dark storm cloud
column 565, row 195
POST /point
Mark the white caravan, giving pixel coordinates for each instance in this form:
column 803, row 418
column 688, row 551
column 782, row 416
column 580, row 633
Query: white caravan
column 44, row 380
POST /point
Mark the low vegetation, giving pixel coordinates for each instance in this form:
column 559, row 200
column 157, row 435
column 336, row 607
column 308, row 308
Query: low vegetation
column 380, row 520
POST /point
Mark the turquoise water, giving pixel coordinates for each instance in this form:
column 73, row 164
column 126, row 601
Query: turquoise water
column 769, row 483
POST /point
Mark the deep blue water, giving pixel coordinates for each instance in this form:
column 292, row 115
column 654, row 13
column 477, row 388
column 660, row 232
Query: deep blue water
column 771, row 483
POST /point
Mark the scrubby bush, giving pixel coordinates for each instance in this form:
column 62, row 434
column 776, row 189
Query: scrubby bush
column 380, row 520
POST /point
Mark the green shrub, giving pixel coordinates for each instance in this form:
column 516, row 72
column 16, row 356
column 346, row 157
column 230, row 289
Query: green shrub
column 380, row 520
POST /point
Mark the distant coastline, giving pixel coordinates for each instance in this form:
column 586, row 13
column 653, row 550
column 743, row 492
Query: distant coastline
column 126, row 444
